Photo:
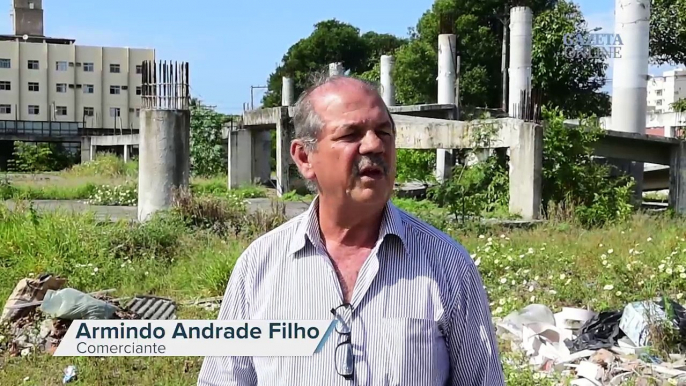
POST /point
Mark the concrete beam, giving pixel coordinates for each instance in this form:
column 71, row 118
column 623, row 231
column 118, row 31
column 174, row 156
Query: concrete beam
column 267, row 118
column 430, row 133
column 115, row 140
column 635, row 147
column 38, row 138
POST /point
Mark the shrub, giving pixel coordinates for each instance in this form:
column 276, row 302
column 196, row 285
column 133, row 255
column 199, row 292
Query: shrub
column 118, row 195
column 574, row 183
column 40, row 157
column 105, row 165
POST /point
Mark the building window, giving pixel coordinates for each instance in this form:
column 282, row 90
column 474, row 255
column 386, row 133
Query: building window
column 5, row 85
column 115, row 90
column 33, row 65
column 115, row 112
column 139, row 90
column 115, row 68
column 31, row 5
column 88, row 67
column 138, row 112
column 61, row 66
column 33, row 86
column 5, row 63
column 88, row 111
column 659, row 102
column 61, row 110
column 658, row 92
column 139, row 69
column 88, row 89
column 61, row 87
column 34, row 110
column 5, row 109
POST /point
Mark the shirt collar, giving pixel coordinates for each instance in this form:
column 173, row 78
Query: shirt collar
column 391, row 224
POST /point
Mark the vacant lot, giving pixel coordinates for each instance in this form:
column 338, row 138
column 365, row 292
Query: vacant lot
column 189, row 253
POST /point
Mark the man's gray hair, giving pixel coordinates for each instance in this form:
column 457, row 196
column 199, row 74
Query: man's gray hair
column 306, row 121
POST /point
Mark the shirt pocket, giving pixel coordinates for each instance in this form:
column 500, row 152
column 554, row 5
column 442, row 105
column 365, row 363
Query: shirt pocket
column 417, row 352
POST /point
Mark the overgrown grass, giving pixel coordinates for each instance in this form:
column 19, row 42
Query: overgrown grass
column 107, row 180
column 177, row 255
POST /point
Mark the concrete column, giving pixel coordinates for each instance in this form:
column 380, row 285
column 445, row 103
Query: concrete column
column 240, row 153
column 283, row 155
column 126, row 153
column 447, row 58
column 336, row 69
column 630, row 74
column 526, row 163
column 86, row 154
column 677, row 178
column 387, row 86
column 164, row 158
column 669, row 131
column 262, row 153
column 287, row 92
column 521, row 44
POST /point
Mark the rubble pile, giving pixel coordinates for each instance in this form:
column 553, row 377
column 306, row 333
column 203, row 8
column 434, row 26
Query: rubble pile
column 606, row 348
column 39, row 312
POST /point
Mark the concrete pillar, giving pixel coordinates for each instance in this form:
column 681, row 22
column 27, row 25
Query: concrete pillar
column 262, row 154
column 336, row 69
column 283, row 154
column 387, row 86
column 126, row 153
column 669, row 131
column 447, row 58
column 164, row 160
column 86, row 154
column 677, row 178
column 287, row 92
column 526, row 167
column 630, row 74
column 521, row 44
column 240, row 153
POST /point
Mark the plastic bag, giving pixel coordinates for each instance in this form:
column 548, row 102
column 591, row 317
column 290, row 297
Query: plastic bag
column 601, row 331
column 72, row 304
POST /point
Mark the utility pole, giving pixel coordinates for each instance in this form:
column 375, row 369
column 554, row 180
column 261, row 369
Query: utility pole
column 252, row 102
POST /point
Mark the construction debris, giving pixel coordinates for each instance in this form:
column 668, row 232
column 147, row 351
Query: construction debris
column 39, row 312
column 606, row 348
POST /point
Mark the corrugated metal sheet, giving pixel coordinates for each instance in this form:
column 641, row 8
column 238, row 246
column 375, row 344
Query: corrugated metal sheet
column 152, row 307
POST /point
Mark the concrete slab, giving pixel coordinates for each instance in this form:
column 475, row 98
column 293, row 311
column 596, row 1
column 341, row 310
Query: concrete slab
column 115, row 140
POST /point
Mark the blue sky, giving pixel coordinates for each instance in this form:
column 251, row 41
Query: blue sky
column 232, row 45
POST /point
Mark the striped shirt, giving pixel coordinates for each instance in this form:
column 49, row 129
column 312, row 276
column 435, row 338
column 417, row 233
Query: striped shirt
column 419, row 311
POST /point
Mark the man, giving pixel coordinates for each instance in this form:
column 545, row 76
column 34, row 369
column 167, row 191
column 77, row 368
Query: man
column 409, row 302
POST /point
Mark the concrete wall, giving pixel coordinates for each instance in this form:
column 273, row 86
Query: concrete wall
column 87, row 74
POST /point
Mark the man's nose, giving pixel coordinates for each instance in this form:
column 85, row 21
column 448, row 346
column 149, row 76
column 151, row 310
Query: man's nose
column 371, row 143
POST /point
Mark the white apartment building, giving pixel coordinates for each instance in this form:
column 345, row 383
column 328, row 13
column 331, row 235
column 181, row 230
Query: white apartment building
column 54, row 80
column 665, row 90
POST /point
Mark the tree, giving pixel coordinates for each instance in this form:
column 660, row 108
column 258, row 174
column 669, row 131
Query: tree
column 478, row 25
column 679, row 106
column 668, row 31
column 207, row 146
column 331, row 41
column 566, row 80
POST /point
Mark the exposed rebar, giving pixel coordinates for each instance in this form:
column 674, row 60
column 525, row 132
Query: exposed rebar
column 171, row 91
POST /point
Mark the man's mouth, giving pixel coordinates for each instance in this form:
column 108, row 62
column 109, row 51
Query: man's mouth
column 372, row 172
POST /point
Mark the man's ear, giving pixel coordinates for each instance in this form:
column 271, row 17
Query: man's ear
column 302, row 159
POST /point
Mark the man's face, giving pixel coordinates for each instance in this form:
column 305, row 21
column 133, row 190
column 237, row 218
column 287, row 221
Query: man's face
column 355, row 157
